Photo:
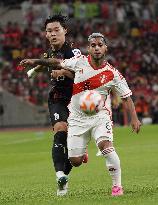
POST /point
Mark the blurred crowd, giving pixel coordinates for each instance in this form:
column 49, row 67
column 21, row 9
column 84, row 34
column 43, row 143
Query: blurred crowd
column 131, row 29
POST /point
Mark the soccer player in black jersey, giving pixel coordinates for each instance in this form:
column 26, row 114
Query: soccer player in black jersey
column 59, row 95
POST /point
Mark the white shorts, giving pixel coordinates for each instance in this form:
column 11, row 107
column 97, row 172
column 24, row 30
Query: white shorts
column 82, row 128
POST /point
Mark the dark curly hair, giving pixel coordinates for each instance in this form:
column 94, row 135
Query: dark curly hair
column 57, row 18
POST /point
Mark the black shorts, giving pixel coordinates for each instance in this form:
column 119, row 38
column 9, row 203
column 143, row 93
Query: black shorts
column 58, row 112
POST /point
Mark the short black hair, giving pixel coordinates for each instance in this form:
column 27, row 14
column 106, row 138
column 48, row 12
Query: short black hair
column 57, row 18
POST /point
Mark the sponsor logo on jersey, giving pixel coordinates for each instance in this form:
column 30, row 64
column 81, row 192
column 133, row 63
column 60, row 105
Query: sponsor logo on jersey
column 56, row 116
column 76, row 52
column 45, row 55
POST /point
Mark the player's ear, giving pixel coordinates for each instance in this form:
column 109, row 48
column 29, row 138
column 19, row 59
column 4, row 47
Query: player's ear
column 46, row 35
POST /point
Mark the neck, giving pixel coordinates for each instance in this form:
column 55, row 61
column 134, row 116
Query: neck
column 97, row 62
column 56, row 47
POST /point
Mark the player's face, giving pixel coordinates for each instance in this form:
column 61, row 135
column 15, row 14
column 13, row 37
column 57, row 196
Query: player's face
column 55, row 33
column 97, row 48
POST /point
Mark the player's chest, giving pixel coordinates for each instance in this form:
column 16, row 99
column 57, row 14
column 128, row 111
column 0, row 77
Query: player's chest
column 93, row 79
column 58, row 55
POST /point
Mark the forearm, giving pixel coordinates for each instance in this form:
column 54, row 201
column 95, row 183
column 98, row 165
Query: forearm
column 63, row 72
column 135, row 123
column 128, row 102
column 32, row 72
column 39, row 68
column 47, row 62
column 68, row 73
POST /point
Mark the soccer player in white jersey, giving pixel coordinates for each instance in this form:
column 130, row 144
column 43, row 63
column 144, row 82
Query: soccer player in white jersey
column 94, row 73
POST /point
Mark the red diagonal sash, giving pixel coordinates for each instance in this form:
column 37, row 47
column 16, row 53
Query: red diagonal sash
column 93, row 82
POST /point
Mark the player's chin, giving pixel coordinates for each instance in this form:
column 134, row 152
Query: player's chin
column 55, row 42
column 97, row 56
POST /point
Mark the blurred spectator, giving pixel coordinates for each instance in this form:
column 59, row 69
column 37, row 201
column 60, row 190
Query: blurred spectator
column 120, row 17
column 131, row 29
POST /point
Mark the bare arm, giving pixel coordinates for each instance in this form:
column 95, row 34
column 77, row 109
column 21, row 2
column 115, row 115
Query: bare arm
column 39, row 68
column 115, row 99
column 68, row 73
column 41, row 65
column 135, row 123
column 32, row 72
column 41, row 62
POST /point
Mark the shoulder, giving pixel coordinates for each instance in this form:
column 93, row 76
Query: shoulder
column 68, row 51
column 74, row 60
column 73, row 50
column 110, row 67
column 115, row 71
column 79, row 58
column 76, row 52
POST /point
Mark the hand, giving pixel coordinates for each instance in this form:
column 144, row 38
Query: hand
column 57, row 73
column 26, row 62
column 31, row 73
column 135, row 125
column 115, row 106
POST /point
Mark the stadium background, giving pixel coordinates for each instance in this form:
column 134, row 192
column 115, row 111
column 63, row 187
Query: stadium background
column 26, row 174
column 131, row 29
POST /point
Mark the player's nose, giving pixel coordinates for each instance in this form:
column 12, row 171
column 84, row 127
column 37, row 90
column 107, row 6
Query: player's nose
column 97, row 47
column 53, row 33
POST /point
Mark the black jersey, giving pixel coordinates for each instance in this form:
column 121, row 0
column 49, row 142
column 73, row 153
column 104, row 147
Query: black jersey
column 61, row 88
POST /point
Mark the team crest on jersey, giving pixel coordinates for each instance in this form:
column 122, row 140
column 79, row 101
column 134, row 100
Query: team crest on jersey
column 76, row 52
column 103, row 78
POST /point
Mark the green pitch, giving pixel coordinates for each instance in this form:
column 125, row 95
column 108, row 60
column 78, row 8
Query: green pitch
column 27, row 176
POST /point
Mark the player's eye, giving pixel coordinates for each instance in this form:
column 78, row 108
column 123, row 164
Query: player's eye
column 56, row 29
column 100, row 45
column 93, row 45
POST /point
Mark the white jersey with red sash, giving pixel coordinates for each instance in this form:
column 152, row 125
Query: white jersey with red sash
column 102, row 79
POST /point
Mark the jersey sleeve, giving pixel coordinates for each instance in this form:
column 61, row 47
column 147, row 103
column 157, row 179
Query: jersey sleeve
column 70, row 64
column 121, row 85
